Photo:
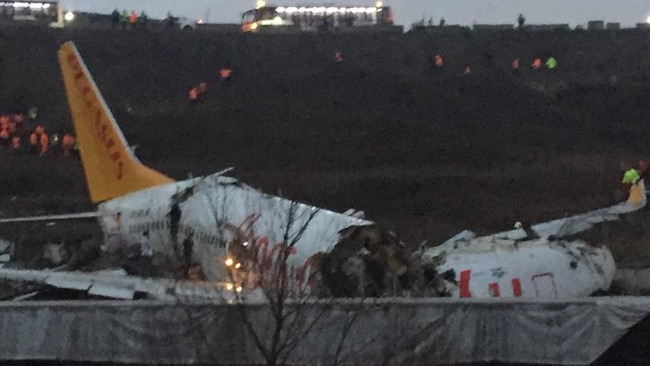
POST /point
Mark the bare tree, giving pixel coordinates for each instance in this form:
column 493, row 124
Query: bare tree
column 271, row 275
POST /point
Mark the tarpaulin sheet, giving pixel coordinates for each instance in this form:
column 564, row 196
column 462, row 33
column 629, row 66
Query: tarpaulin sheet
column 347, row 332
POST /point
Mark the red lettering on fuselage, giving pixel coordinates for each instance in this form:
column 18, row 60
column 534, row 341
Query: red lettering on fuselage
column 101, row 125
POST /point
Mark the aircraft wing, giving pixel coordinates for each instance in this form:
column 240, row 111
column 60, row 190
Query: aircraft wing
column 578, row 223
column 118, row 285
column 81, row 215
column 565, row 226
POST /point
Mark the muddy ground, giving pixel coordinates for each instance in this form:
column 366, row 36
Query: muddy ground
column 425, row 152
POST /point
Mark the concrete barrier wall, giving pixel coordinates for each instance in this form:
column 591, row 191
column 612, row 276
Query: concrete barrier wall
column 395, row 332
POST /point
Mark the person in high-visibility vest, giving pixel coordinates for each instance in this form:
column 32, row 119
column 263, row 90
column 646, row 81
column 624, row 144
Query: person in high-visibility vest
column 515, row 65
column 551, row 63
column 34, row 138
column 537, row 64
column 439, row 61
column 32, row 113
column 194, row 96
column 67, row 144
column 338, row 56
column 225, row 73
column 630, row 176
column 124, row 18
column 45, row 144
column 16, row 143
column 133, row 19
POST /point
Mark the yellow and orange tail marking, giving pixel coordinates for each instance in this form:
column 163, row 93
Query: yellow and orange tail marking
column 110, row 166
column 637, row 195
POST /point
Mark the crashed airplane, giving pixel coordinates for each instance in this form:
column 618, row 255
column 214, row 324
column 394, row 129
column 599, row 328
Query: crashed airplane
column 222, row 226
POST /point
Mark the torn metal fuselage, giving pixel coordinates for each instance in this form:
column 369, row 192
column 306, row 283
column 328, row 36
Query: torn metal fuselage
column 226, row 219
column 539, row 268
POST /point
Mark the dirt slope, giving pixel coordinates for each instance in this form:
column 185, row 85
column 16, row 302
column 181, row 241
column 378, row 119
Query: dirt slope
column 425, row 152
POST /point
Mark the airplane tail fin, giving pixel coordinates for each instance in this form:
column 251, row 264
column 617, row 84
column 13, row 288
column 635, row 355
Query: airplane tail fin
column 111, row 168
column 637, row 197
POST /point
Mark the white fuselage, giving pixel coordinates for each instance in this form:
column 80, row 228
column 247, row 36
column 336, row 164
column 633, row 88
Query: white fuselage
column 219, row 209
column 489, row 267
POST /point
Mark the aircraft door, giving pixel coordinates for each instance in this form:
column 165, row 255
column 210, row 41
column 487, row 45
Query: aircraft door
column 545, row 285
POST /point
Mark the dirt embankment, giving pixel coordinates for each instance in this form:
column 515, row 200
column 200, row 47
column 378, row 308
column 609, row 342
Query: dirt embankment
column 426, row 152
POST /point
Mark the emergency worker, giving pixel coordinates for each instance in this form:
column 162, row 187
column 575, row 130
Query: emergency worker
column 551, row 63
column 225, row 73
column 16, row 143
column 537, row 64
column 515, row 65
column 338, row 56
column 115, row 18
column 54, row 141
column 133, row 19
column 32, row 113
column 630, row 175
column 194, row 96
column 67, row 144
column 439, row 61
column 45, row 144
column 124, row 18
column 33, row 142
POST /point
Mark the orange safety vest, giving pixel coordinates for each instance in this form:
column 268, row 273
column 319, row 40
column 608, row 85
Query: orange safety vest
column 67, row 143
column 537, row 64
column 515, row 64
column 45, row 143
column 194, row 93
column 225, row 73
column 4, row 134
column 134, row 17
column 439, row 61
column 15, row 142
column 4, row 122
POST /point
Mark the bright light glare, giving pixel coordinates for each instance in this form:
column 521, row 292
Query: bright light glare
column 229, row 286
column 229, row 262
column 69, row 16
column 254, row 26
column 245, row 243
column 261, row 4
column 379, row 4
column 277, row 21
column 648, row 19
column 238, row 265
column 239, row 289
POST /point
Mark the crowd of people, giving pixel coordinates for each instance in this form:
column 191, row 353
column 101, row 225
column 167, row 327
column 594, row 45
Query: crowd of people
column 196, row 93
column 21, row 133
column 124, row 18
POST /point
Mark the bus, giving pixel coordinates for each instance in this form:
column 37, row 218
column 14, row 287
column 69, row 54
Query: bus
column 315, row 18
column 42, row 12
